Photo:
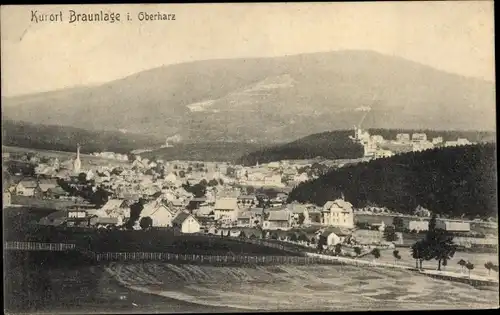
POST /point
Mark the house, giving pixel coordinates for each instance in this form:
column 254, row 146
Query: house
column 77, row 213
column 418, row 225
column 160, row 214
column 104, row 222
column 338, row 213
column 437, row 140
column 403, row 137
column 334, row 236
column 186, row 223
column 315, row 216
column 46, row 184
column 453, row 226
column 28, row 188
column 418, row 137
column 56, row 192
column 300, row 213
column 226, row 208
column 245, row 219
column 247, row 201
column 278, row 219
column 115, row 208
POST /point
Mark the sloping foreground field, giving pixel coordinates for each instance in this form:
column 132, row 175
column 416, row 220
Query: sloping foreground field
column 314, row 287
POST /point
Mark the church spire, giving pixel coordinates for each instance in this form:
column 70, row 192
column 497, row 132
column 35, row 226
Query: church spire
column 77, row 164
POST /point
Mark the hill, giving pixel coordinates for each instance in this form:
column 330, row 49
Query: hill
column 453, row 181
column 269, row 99
column 330, row 145
column 65, row 138
column 337, row 145
column 204, row 151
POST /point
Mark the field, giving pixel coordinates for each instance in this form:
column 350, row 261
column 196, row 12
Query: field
column 162, row 287
column 478, row 259
column 287, row 288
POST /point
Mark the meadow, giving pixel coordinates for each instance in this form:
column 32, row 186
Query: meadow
column 300, row 288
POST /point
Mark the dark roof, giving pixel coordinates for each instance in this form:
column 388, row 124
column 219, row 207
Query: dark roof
column 181, row 217
column 103, row 220
column 336, row 230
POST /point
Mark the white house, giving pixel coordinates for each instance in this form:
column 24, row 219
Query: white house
column 334, row 236
column 161, row 215
column 338, row 213
column 278, row 219
column 115, row 208
column 26, row 188
column 418, row 225
column 453, row 226
column 226, row 208
column 186, row 223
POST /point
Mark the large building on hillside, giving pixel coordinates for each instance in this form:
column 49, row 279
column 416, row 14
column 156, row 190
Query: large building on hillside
column 338, row 213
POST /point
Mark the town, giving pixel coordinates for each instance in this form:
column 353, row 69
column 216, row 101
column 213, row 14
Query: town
column 216, row 198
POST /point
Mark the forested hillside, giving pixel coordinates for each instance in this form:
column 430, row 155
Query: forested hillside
column 64, row 138
column 453, row 181
column 329, row 145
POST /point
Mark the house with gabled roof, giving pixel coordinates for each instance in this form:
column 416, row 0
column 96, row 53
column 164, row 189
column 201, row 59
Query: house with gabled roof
column 226, row 208
column 28, row 188
column 186, row 223
column 278, row 219
column 334, row 236
column 160, row 214
column 338, row 213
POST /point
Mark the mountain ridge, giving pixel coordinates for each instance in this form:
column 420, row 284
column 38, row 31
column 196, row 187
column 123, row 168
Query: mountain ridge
column 325, row 88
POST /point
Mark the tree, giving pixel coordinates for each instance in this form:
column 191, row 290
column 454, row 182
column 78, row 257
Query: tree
column 146, row 223
column 82, row 178
column 274, row 236
column 462, row 263
column 293, row 237
column 182, row 174
column 398, row 224
column 242, row 234
column 390, row 234
column 489, row 265
column 396, row 255
column 321, row 243
column 419, row 251
column 469, row 266
column 357, row 250
column 439, row 243
column 301, row 218
column 212, row 183
column 250, row 190
column 376, row 253
column 338, row 249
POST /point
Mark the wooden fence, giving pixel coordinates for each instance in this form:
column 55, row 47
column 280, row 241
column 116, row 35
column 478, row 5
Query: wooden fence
column 209, row 259
column 33, row 246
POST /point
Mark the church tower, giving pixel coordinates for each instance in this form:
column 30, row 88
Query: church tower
column 77, row 164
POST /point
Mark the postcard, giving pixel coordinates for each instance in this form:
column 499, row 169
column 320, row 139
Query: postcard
column 211, row 158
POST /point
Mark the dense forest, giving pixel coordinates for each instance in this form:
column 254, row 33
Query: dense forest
column 206, row 151
column 63, row 138
column 454, row 181
column 329, row 145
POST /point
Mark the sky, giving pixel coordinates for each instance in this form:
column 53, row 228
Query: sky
column 456, row 37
